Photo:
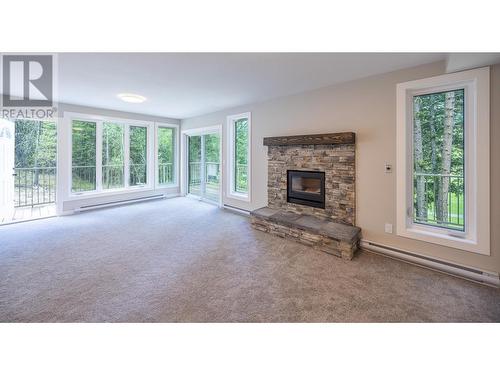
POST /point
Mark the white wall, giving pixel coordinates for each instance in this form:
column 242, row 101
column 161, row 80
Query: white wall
column 367, row 107
column 67, row 204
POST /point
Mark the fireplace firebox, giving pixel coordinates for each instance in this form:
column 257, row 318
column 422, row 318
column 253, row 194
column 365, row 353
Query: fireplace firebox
column 306, row 188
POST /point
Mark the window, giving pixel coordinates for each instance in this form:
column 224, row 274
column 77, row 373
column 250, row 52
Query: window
column 443, row 160
column 138, row 155
column 438, row 159
column 83, row 168
column 239, row 145
column 166, row 155
column 109, row 155
column 113, row 166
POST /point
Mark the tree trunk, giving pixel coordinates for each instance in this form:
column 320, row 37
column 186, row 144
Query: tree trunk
column 449, row 120
column 418, row 160
column 434, row 167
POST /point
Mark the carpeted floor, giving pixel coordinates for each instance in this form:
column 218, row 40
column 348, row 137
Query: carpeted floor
column 180, row 260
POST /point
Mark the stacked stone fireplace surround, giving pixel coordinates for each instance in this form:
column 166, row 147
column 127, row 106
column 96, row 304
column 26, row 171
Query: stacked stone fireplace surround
column 331, row 229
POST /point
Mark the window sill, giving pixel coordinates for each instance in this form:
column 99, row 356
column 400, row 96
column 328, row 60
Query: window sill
column 444, row 239
column 167, row 186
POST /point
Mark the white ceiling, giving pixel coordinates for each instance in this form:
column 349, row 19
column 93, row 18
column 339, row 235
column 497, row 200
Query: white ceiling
column 182, row 85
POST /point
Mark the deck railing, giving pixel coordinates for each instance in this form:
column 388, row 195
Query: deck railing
column 241, row 178
column 34, row 186
column 83, row 178
column 194, row 173
column 112, row 176
column 453, row 214
column 138, row 174
column 212, row 172
column 165, row 173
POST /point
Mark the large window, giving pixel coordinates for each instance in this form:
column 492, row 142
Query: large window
column 112, row 154
column 443, row 160
column 239, row 156
column 108, row 155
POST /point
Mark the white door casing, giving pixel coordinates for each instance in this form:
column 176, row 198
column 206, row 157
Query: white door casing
column 7, row 144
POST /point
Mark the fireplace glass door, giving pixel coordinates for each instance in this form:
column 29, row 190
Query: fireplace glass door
column 306, row 188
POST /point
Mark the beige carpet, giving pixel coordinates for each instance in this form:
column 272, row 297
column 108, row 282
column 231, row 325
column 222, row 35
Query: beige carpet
column 179, row 260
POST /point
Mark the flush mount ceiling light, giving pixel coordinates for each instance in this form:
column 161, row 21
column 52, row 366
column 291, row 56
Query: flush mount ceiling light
column 132, row 98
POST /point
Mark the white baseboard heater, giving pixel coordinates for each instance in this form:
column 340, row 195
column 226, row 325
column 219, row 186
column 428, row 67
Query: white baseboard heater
column 236, row 210
column 480, row 276
column 118, row 203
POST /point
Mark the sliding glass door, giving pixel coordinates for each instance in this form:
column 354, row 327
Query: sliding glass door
column 204, row 166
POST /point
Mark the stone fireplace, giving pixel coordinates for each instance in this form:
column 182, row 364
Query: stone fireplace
column 311, row 191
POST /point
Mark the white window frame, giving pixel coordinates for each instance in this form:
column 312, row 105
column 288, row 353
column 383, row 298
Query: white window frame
column 99, row 120
column 176, row 163
column 231, row 144
column 476, row 237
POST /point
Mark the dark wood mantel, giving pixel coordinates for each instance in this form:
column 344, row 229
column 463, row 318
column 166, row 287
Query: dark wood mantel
column 347, row 138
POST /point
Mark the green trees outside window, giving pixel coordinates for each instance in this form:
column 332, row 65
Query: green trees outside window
column 35, row 162
column 112, row 156
column 166, row 139
column 438, row 156
column 83, row 156
column 138, row 155
column 241, row 145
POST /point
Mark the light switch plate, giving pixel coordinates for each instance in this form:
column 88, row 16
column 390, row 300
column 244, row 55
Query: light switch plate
column 388, row 168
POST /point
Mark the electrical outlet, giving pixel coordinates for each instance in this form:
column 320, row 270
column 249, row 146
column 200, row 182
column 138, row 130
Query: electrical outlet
column 388, row 228
column 388, row 168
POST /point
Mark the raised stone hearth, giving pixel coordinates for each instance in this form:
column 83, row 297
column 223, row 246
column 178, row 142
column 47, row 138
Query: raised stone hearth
column 337, row 239
column 328, row 226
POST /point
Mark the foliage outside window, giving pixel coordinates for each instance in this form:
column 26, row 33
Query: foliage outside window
column 112, row 156
column 35, row 162
column 138, row 155
column 238, row 151
column 241, row 155
column 438, row 157
column 166, row 151
column 83, row 156
column 194, row 160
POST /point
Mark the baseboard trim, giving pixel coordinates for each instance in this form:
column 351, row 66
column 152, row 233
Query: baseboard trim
column 469, row 273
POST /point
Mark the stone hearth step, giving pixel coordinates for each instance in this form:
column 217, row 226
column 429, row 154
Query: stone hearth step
column 322, row 234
